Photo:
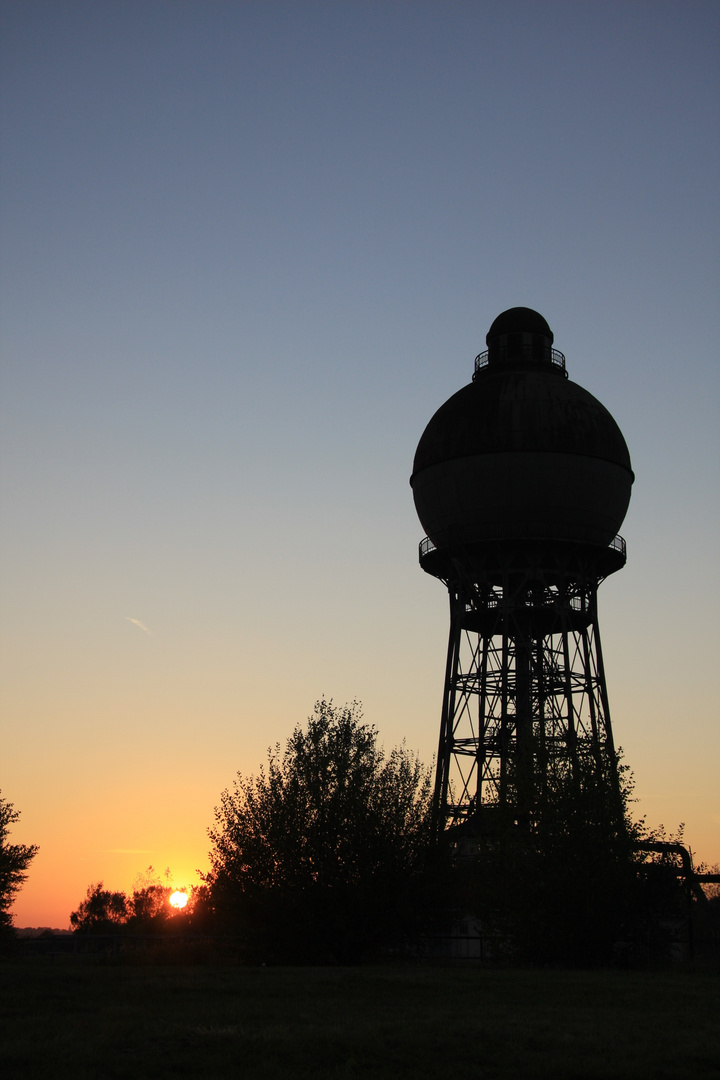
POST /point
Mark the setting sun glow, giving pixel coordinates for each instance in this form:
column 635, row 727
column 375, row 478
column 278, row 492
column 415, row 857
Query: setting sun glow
column 178, row 899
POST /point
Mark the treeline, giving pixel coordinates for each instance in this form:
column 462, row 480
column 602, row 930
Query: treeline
column 326, row 855
column 147, row 909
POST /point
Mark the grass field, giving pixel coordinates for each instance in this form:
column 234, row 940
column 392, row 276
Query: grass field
column 69, row 1017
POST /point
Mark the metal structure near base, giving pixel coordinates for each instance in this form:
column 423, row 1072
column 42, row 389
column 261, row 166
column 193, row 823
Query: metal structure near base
column 525, row 705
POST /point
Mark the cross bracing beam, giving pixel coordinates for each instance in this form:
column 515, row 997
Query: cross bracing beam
column 525, row 702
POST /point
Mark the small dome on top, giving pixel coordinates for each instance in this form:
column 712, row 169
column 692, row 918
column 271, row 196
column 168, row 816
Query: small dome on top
column 518, row 339
column 519, row 320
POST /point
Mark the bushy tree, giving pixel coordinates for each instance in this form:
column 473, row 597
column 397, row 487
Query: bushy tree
column 14, row 861
column 320, row 855
column 148, row 906
column 102, row 911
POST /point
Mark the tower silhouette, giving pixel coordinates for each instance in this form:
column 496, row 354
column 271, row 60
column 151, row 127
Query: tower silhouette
column 521, row 481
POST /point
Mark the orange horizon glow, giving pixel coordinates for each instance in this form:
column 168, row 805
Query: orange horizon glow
column 138, row 821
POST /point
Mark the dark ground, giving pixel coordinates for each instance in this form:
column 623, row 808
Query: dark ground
column 76, row 1017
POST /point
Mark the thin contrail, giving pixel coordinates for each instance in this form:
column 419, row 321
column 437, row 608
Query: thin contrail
column 136, row 622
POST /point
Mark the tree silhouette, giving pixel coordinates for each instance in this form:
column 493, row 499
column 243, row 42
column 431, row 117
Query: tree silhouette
column 145, row 910
column 579, row 885
column 100, row 911
column 149, row 904
column 14, row 861
column 320, row 856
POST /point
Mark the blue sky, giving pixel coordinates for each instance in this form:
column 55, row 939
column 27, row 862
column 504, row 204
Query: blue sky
column 247, row 250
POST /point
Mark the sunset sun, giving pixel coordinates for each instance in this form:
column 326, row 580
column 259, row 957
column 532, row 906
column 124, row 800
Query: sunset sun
column 178, row 899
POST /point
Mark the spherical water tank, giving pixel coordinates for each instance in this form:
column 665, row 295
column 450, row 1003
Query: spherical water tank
column 521, row 452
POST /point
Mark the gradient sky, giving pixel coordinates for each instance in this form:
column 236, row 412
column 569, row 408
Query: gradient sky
column 248, row 249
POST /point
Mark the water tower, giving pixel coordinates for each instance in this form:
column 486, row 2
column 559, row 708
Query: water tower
column 521, row 481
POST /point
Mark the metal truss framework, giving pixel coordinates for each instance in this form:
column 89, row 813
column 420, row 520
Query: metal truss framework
column 525, row 706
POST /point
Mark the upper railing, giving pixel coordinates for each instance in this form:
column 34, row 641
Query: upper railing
column 579, row 535
column 521, row 352
column 426, row 546
column 618, row 544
